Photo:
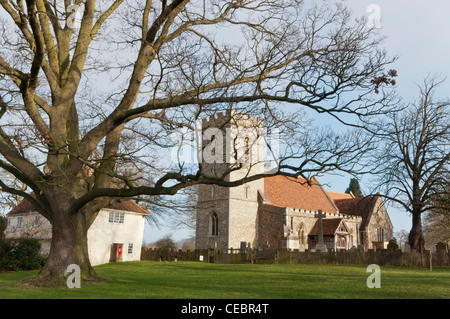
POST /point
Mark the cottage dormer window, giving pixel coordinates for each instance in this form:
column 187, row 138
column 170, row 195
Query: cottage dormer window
column 36, row 221
column 19, row 221
column 116, row 217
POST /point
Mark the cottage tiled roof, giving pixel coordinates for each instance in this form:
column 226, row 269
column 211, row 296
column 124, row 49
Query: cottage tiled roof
column 283, row 191
column 329, row 226
column 25, row 207
column 129, row 206
column 360, row 206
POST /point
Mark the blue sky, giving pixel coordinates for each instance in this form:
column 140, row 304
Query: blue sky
column 419, row 33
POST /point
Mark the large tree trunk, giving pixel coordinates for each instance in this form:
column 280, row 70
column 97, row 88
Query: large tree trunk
column 68, row 245
column 416, row 239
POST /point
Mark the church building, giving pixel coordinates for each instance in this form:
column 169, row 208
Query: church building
column 276, row 212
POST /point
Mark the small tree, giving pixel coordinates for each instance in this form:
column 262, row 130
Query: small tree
column 392, row 244
column 354, row 188
column 166, row 243
column 441, row 246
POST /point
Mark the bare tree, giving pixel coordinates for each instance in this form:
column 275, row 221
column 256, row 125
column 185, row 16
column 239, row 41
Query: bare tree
column 413, row 161
column 98, row 86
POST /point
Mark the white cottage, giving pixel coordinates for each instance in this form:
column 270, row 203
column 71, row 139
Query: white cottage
column 115, row 235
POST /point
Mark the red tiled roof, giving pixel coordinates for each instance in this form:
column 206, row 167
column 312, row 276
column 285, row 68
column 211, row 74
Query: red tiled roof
column 283, row 191
column 336, row 195
column 23, row 207
column 360, row 206
column 329, row 226
column 129, row 206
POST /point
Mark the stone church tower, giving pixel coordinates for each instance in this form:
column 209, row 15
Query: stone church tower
column 232, row 145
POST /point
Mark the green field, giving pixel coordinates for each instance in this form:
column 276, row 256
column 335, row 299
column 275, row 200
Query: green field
column 188, row 280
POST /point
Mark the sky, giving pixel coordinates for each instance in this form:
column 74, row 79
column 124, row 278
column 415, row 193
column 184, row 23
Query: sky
column 416, row 31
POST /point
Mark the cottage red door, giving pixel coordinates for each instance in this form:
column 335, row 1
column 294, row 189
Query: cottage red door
column 116, row 252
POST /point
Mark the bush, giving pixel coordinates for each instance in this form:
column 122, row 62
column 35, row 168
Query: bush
column 21, row 255
column 6, row 246
column 392, row 244
column 441, row 246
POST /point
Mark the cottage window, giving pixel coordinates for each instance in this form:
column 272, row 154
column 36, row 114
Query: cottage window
column 37, row 221
column 116, row 217
column 130, row 248
column 19, row 221
column 9, row 222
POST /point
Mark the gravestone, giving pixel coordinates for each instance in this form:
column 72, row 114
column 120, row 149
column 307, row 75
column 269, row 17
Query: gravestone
column 407, row 248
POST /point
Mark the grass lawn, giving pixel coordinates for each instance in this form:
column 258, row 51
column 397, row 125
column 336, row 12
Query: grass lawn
column 190, row 280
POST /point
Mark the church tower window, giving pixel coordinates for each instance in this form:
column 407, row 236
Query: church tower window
column 214, row 225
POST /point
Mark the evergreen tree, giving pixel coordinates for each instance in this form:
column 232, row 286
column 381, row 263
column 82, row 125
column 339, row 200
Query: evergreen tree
column 354, row 188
